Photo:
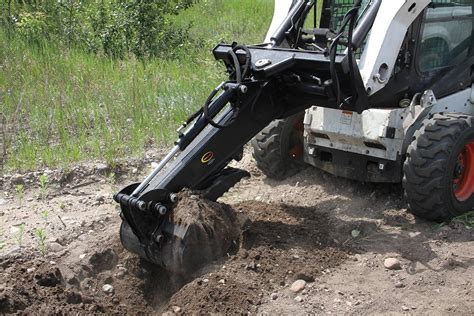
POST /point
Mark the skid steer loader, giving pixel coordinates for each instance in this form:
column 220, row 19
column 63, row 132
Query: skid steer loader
column 374, row 90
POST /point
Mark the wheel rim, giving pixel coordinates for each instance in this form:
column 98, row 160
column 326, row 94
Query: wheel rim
column 463, row 183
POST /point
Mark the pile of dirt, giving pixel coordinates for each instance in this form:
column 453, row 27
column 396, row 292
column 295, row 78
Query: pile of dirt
column 280, row 245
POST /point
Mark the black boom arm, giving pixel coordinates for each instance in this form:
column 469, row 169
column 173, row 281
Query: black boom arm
column 266, row 83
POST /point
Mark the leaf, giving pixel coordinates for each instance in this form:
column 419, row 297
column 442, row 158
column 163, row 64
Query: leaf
column 355, row 233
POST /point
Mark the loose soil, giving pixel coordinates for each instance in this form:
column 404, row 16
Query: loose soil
column 333, row 233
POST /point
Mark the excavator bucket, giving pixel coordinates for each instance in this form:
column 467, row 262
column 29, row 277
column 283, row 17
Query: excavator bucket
column 198, row 232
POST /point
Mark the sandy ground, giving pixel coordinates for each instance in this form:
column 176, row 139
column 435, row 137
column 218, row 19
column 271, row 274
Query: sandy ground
column 333, row 233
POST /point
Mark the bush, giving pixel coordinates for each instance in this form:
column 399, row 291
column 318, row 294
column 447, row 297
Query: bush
column 113, row 28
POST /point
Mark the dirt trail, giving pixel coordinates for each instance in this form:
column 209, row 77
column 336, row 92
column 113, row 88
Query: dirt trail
column 333, row 233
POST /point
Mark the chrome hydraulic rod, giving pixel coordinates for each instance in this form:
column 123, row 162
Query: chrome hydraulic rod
column 160, row 166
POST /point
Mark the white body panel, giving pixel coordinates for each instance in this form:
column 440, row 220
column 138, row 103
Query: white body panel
column 385, row 40
column 349, row 131
column 282, row 7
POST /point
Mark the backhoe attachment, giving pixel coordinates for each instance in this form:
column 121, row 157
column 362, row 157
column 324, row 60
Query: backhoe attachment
column 182, row 231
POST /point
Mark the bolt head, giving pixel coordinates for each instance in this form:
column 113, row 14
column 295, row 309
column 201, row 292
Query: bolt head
column 173, row 198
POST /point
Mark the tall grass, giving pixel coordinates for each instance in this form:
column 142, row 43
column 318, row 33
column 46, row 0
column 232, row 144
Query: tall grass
column 63, row 106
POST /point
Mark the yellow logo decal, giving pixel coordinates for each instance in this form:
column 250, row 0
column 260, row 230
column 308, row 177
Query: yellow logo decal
column 207, row 157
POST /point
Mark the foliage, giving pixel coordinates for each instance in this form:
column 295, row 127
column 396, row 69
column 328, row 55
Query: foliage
column 41, row 239
column 20, row 191
column 43, row 183
column 19, row 235
column 63, row 105
column 113, row 28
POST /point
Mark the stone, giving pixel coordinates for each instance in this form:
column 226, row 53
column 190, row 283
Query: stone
column 298, row 286
column 399, row 285
column 55, row 247
column 108, row 288
column 392, row 264
column 120, row 274
column 176, row 309
column 101, row 167
column 29, row 270
column 298, row 299
column 3, row 201
column 405, row 309
column 17, row 179
column 274, row 296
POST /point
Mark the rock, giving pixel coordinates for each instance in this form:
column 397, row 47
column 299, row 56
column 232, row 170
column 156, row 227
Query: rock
column 17, row 179
column 274, row 296
column 108, row 288
column 176, row 309
column 3, row 201
column 251, row 266
column 405, row 309
column 82, row 256
column 222, row 281
column 298, row 299
column 101, row 168
column 120, row 274
column 399, row 285
column 298, row 286
column 55, row 247
column 29, row 270
column 392, row 264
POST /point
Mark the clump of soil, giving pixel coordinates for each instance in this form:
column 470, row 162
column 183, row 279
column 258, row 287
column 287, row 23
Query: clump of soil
column 208, row 231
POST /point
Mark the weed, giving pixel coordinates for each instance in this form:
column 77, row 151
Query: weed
column 41, row 238
column 112, row 177
column 19, row 235
column 20, row 191
column 43, row 183
column 466, row 219
column 62, row 206
column 44, row 215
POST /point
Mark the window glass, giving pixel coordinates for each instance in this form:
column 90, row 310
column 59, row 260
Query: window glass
column 446, row 35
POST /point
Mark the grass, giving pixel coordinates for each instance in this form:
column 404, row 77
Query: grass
column 64, row 106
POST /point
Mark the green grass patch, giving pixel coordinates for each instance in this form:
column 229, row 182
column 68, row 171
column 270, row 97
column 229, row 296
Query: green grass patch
column 67, row 105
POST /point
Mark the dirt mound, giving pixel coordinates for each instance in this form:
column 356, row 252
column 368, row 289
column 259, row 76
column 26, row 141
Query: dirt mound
column 280, row 245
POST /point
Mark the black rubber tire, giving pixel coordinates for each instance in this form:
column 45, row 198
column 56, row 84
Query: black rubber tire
column 430, row 164
column 271, row 149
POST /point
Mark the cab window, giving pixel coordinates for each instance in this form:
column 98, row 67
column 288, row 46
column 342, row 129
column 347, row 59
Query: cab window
column 446, row 34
